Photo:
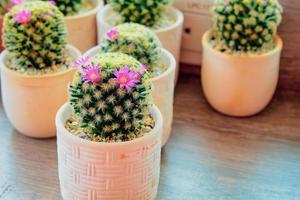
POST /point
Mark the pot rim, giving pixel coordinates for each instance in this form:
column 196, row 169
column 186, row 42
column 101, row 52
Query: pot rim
column 178, row 14
column 61, row 130
column 165, row 52
column 99, row 4
column 3, row 66
column 206, row 45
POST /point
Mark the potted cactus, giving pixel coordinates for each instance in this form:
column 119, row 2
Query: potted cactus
column 241, row 56
column 158, row 15
column 109, row 134
column 35, row 68
column 143, row 44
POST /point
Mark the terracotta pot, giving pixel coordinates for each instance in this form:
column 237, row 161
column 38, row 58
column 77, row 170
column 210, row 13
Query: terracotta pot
column 239, row 85
column 170, row 36
column 163, row 91
column 82, row 28
column 31, row 102
column 1, row 24
column 93, row 170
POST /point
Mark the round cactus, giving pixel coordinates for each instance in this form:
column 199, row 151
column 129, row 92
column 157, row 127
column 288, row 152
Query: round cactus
column 35, row 33
column 135, row 40
column 145, row 12
column 67, row 7
column 245, row 25
column 110, row 93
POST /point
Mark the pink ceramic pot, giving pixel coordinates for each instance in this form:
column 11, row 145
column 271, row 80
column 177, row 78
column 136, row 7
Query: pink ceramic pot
column 93, row 170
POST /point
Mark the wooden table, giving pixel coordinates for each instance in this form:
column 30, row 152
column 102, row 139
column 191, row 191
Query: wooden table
column 209, row 156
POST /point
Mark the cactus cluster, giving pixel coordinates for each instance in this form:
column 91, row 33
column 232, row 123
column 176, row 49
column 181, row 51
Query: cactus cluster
column 134, row 40
column 110, row 94
column 145, row 12
column 245, row 25
column 35, row 34
column 67, row 7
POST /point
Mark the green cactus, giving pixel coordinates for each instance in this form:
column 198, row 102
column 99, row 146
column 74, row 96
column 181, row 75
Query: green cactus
column 145, row 12
column 35, row 34
column 245, row 25
column 110, row 94
column 68, row 7
column 135, row 40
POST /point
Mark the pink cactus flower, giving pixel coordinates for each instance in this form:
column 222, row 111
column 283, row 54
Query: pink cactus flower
column 23, row 17
column 52, row 2
column 81, row 62
column 126, row 78
column 17, row 2
column 112, row 33
column 91, row 74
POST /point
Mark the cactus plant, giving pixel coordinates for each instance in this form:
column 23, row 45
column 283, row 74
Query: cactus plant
column 135, row 40
column 145, row 12
column 67, row 7
column 35, row 34
column 110, row 94
column 245, row 25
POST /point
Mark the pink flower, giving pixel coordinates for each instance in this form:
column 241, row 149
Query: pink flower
column 126, row 78
column 17, row 2
column 23, row 17
column 112, row 34
column 81, row 62
column 91, row 74
column 52, row 2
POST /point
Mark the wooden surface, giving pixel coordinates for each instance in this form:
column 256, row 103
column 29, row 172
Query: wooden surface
column 290, row 61
column 209, row 156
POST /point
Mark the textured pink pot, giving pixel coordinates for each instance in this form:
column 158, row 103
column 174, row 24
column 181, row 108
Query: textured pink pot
column 163, row 90
column 82, row 28
column 92, row 170
column 31, row 102
column 239, row 85
column 170, row 37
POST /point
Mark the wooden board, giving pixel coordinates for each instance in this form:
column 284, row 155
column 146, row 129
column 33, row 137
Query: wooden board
column 209, row 156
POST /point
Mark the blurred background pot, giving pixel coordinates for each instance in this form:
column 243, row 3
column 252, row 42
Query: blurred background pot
column 31, row 102
column 239, row 85
column 82, row 28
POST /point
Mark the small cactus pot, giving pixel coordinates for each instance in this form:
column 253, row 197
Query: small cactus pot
column 163, row 90
column 82, row 31
column 239, row 85
column 31, row 102
column 170, row 37
column 93, row 170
